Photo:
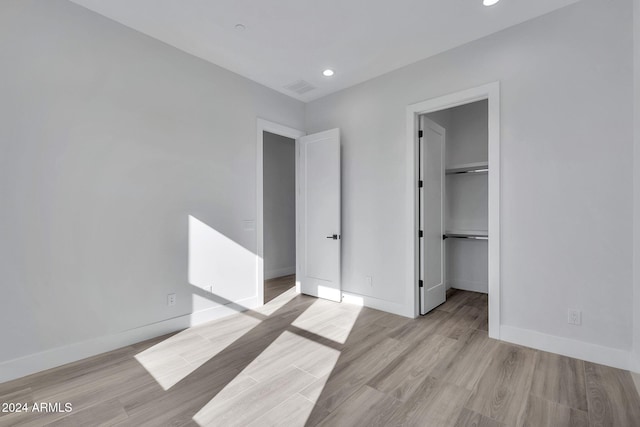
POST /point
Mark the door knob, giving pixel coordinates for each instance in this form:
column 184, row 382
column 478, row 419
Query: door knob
column 334, row 237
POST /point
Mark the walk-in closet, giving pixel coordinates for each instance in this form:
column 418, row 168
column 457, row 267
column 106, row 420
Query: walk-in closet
column 453, row 202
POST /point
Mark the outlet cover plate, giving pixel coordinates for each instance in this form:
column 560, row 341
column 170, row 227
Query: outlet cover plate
column 171, row 300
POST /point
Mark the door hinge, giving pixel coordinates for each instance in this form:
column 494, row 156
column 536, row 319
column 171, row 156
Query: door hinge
column 420, row 284
column 419, row 134
column 420, row 233
column 420, row 184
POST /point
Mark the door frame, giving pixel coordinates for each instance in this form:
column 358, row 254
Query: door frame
column 288, row 132
column 490, row 92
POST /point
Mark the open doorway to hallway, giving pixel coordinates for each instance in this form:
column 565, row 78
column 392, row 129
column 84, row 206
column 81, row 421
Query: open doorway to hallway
column 279, row 213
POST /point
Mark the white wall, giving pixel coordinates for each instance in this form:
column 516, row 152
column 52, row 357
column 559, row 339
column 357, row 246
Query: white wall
column 566, row 134
column 467, row 203
column 279, row 206
column 636, row 192
column 443, row 118
column 467, row 265
column 109, row 141
column 468, row 134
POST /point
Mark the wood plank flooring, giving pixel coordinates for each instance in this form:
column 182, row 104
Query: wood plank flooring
column 277, row 286
column 299, row 361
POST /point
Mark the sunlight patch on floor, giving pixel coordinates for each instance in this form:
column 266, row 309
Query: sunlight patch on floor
column 287, row 366
column 277, row 303
column 329, row 319
column 178, row 356
column 289, row 374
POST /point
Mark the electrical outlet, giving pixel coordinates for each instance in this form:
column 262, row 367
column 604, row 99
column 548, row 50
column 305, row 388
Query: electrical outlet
column 369, row 281
column 575, row 317
column 171, row 300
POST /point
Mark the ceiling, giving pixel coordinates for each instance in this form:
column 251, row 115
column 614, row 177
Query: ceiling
column 286, row 41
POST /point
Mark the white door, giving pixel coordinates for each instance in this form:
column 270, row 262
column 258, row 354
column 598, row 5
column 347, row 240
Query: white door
column 432, row 150
column 319, row 215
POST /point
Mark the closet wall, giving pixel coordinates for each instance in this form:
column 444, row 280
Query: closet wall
column 466, row 203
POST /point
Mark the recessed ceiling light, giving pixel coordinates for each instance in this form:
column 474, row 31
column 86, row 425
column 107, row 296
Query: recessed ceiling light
column 489, row 2
column 328, row 72
column 240, row 27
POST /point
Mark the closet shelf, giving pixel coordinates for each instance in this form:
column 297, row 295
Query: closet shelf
column 468, row 168
column 467, row 234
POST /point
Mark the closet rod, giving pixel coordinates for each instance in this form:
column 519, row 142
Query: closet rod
column 471, row 171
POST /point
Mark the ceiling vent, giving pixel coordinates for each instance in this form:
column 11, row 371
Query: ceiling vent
column 300, row 87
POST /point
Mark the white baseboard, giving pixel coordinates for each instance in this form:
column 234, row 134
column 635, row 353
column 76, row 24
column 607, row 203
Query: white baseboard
column 567, row 347
column 378, row 304
column 52, row 358
column 30, row 364
column 466, row 285
column 279, row 272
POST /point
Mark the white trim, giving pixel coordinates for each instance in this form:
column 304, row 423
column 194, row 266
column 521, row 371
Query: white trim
column 378, row 304
column 491, row 92
column 37, row 362
column 279, row 272
column 278, row 129
column 567, row 347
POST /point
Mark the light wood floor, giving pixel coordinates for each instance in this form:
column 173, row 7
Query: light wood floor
column 277, row 286
column 300, row 361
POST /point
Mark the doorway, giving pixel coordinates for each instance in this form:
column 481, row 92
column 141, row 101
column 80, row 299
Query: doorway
column 453, row 206
column 265, row 127
column 279, row 214
column 455, row 211
column 316, row 192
